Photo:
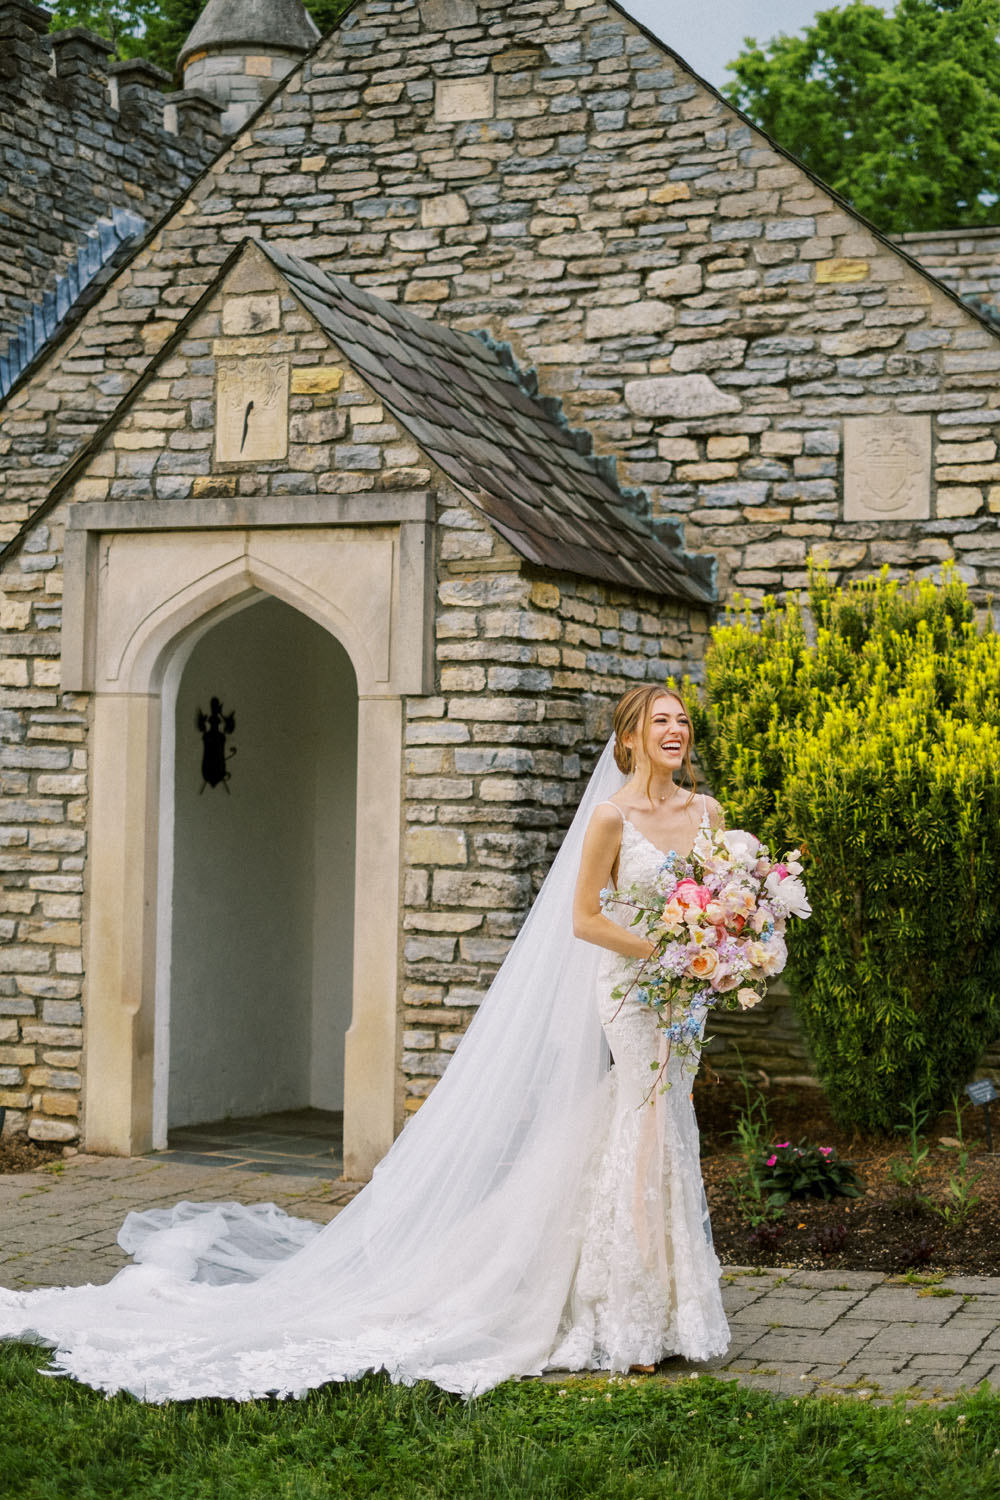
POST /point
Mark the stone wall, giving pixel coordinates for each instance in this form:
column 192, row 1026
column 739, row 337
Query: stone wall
column 82, row 136
column 548, row 172
column 966, row 260
column 527, row 670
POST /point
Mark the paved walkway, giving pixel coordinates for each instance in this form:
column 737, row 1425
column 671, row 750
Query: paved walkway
column 793, row 1331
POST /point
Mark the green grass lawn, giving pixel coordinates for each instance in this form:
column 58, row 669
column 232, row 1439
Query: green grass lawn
column 702, row 1439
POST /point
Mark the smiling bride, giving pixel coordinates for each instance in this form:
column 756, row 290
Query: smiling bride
column 541, row 1211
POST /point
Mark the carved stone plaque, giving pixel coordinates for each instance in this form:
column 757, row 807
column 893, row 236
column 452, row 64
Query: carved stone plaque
column 887, row 468
column 251, row 411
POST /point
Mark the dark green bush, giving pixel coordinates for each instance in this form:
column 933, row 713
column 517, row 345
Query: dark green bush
column 866, row 726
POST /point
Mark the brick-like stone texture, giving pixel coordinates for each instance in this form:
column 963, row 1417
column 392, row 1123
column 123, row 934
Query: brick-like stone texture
column 528, row 668
column 82, row 136
column 672, row 275
column 702, row 306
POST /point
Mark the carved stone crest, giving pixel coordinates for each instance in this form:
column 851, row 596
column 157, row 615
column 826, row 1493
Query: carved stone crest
column 887, row 463
column 251, row 415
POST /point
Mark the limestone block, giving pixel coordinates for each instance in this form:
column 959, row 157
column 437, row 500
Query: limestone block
column 711, row 353
column 678, row 396
column 670, row 192
column 43, row 1129
column 444, row 211
column 675, row 281
column 680, row 450
column 706, row 472
column 458, row 99
column 635, row 317
column 728, row 447
column 840, row 554
column 61, row 1104
column 967, row 473
column 887, row 467
column 255, row 314
column 436, row 846
column 781, row 444
column 780, row 551
column 840, row 269
column 963, row 453
column 444, row 15
column 316, row 380
column 960, row 500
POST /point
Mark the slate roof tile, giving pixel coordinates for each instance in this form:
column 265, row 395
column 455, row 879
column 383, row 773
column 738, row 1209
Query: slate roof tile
column 473, row 412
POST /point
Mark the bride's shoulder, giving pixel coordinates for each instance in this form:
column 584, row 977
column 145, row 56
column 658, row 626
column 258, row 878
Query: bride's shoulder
column 607, row 817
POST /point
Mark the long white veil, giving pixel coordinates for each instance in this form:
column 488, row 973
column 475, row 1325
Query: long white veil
column 454, row 1263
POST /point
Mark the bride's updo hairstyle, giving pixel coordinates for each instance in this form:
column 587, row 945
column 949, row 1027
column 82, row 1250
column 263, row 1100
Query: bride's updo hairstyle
column 631, row 720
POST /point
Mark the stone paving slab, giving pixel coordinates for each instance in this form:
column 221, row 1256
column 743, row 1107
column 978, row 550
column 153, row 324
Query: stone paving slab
column 852, row 1332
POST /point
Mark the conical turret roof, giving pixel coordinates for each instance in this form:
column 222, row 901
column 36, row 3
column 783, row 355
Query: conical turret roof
column 244, row 24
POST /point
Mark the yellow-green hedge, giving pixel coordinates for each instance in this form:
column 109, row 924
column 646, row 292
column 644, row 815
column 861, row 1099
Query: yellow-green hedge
column 866, row 725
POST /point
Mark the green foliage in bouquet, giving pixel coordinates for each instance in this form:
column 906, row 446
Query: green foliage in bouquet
column 804, row 1171
column 865, row 725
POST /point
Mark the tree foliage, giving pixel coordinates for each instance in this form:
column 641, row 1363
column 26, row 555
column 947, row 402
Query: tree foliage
column 899, row 113
column 867, row 727
column 157, row 29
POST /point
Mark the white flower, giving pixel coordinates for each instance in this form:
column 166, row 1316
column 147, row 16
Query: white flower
column 703, row 847
column 747, row 998
column 741, row 845
column 792, row 894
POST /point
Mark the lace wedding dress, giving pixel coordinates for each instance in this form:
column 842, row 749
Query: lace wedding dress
column 534, row 1213
column 647, row 1281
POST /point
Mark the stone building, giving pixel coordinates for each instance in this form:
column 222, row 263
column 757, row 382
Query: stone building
column 228, row 464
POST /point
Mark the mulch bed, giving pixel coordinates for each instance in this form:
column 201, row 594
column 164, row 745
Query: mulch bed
column 18, row 1154
column 879, row 1231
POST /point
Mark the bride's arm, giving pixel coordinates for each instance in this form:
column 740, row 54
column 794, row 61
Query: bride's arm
column 600, row 850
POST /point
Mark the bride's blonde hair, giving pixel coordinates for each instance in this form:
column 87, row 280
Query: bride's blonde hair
column 631, row 718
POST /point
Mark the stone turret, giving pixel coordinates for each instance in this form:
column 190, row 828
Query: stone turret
column 239, row 50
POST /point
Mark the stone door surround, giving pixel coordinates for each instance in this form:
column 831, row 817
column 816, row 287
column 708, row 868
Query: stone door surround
column 142, row 579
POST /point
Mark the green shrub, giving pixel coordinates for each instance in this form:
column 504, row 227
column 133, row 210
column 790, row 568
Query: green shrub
column 866, row 727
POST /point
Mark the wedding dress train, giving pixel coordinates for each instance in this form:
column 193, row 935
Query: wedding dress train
column 534, row 1213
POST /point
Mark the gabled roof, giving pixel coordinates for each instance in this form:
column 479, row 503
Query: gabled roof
column 480, row 418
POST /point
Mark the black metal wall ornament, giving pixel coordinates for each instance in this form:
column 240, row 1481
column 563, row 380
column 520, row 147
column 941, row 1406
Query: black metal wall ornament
column 214, row 728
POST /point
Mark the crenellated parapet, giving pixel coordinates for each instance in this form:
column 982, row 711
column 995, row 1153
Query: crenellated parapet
column 85, row 139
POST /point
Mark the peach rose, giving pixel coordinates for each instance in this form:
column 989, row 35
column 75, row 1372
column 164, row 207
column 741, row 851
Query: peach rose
column 703, row 964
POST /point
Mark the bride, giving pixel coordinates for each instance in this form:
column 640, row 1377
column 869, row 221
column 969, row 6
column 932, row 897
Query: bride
column 540, row 1211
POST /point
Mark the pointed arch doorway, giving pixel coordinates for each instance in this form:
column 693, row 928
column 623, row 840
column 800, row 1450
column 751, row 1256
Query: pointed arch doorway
column 143, row 586
column 256, row 888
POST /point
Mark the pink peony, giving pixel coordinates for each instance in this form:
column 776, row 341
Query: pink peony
column 690, row 893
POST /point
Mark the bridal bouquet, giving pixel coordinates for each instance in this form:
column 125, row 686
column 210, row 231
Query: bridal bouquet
column 718, row 920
